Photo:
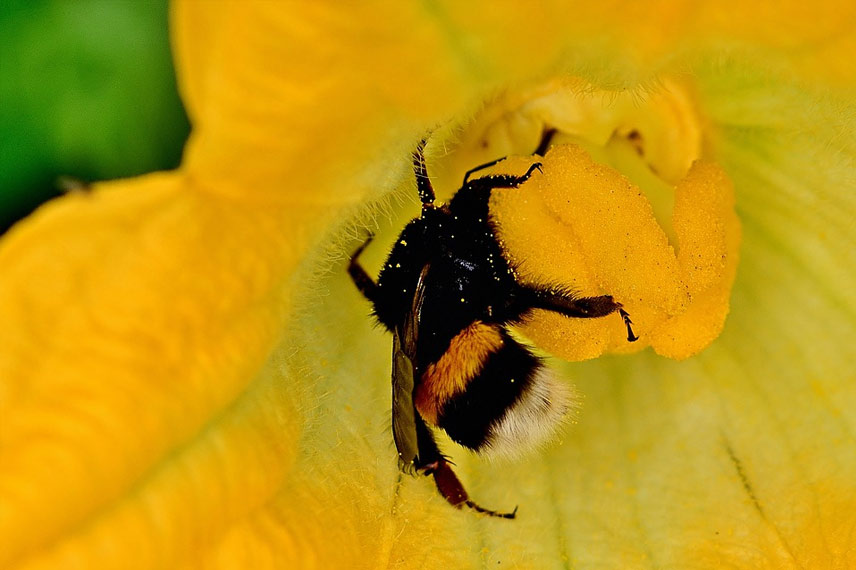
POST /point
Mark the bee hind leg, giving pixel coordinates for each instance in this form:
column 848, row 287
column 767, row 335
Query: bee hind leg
column 451, row 488
column 431, row 462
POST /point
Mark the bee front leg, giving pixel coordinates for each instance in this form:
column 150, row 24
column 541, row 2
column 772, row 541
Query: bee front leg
column 472, row 171
column 546, row 138
column 490, row 182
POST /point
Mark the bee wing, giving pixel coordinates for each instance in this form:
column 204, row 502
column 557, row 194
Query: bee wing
column 404, row 340
column 403, row 412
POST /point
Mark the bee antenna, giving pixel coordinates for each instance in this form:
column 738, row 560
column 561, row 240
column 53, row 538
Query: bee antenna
column 420, row 170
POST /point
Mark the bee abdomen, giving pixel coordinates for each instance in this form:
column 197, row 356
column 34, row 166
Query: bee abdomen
column 512, row 404
column 462, row 361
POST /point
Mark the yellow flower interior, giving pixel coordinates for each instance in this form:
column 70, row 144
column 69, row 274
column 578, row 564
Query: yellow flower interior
column 146, row 422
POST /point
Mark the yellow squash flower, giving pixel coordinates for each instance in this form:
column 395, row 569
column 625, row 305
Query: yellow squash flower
column 189, row 379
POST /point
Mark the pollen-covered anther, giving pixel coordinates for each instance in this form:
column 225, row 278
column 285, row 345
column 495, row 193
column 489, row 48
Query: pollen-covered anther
column 587, row 228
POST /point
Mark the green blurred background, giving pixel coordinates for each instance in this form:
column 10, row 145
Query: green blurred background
column 87, row 90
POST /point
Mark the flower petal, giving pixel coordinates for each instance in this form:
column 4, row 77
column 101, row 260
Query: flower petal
column 306, row 128
column 323, row 92
column 136, row 324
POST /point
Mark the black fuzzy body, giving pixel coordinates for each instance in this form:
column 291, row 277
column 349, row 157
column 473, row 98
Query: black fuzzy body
column 468, row 278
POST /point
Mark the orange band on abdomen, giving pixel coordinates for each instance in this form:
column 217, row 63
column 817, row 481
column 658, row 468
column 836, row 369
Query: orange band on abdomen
column 461, row 362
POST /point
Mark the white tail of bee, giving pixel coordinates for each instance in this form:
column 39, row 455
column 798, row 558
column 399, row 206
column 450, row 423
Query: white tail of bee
column 534, row 419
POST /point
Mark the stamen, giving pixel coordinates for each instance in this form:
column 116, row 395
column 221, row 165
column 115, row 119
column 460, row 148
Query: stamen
column 585, row 226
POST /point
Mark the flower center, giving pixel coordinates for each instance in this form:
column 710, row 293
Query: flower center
column 627, row 206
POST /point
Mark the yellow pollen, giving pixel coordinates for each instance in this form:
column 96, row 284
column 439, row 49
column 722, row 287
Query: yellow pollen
column 587, row 227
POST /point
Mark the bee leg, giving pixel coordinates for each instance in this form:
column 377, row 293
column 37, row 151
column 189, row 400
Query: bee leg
column 481, row 167
column 432, row 462
column 546, row 138
column 361, row 278
column 579, row 307
column 453, row 490
column 483, row 186
column 627, row 323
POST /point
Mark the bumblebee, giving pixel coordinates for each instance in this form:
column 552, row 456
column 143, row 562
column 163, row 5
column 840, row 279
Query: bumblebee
column 448, row 294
